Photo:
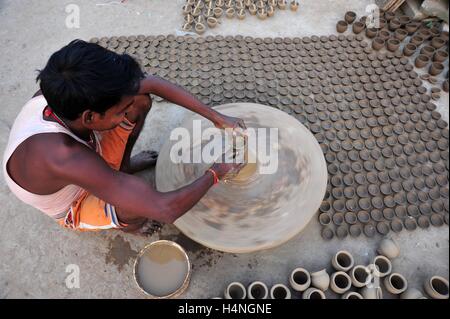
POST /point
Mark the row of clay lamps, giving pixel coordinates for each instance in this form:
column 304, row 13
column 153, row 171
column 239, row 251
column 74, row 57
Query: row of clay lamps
column 348, row 280
column 402, row 27
column 199, row 13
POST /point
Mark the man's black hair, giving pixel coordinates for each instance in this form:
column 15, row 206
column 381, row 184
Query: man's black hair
column 85, row 76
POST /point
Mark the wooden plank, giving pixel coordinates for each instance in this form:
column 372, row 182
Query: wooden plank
column 400, row 2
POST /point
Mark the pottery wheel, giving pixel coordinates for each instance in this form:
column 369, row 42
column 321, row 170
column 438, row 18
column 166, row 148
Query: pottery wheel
column 254, row 211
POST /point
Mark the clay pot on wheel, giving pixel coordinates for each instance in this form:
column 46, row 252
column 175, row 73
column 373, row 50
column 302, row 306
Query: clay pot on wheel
column 313, row 293
column 409, row 49
column 280, row 291
column 421, row 61
column 395, row 283
column 300, row 279
column 342, row 261
column 350, row 16
column 340, row 282
column 235, row 290
column 341, row 26
column 377, row 43
column 257, row 290
column 436, row 287
column 436, row 68
column 320, row 279
column 393, row 45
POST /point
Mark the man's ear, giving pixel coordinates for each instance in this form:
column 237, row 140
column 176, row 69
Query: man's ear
column 88, row 118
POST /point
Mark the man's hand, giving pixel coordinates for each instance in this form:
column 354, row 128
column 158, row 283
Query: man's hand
column 230, row 122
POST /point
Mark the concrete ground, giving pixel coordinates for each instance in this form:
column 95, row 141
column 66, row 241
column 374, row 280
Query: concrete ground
column 34, row 251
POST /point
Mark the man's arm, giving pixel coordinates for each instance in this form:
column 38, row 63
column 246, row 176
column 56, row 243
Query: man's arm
column 175, row 94
column 75, row 164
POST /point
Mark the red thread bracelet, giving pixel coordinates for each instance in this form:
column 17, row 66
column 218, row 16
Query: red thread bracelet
column 216, row 179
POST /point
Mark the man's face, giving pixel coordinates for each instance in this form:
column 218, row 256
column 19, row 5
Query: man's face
column 113, row 117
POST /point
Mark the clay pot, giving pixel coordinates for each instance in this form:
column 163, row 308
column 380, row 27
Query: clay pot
column 241, row 14
column 412, row 27
column 200, row 28
column 320, row 279
column 239, row 5
column 188, row 18
column 220, row 3
column 371, row 32
column 282, row 4
column 218, row 12
column 421, row 61
column 372, row 293
column 395, row 283
column 235, row 290
column 437, row 42
column 350, row 16
column 212, row 22
column 196, row 11
column 280, row 291
column 424, row 33
column 404, row 20
column 313, row 293
column 382, row 266
column 377, row 43
column 409, row 49
column 187, row 27
column 257, row 290
column 436, row 287
column 381, row 23
column 388, row 248
column 253, row 9
column 300, row 279
column 358, row 27
column 394, row 24
column 342, row 261
column 262, row 14
column 412, row 293
column 340, row 282
column 384, row 34
column 360, row 276
column 445, row 86
column 270, row 11
column 440, row 56
column 352, row 295
column 229, row 4
column 190, row 2
column 393, row 45
column 341, row 26
column 436, row 68
column 389, row 16
column 187, row 9
column 417, row 40
column 230, row 12
column 400, row 34
column 294, row 5
column 428, row 51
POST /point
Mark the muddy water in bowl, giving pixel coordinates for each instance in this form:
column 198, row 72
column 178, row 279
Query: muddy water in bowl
column 162, row 269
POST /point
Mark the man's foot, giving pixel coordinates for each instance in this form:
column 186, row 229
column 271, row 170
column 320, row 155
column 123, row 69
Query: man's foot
column 142, row 161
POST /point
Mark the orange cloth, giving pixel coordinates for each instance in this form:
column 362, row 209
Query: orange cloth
column 89, row 212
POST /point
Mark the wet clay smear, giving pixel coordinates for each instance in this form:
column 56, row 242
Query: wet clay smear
column 385, row 144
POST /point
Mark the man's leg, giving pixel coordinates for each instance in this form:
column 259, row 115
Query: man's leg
column 141, row 107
